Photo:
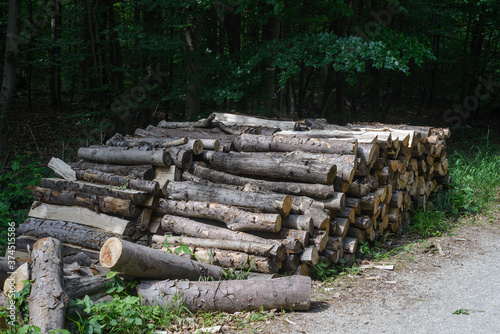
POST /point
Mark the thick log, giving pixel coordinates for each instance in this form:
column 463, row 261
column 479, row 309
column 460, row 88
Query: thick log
column 150, row 187
column 78, row 287
column 126, row 157
column 257, row 248
column 370, row 203
column 83, row 216
column 286, row 168
column 290, row 263
column 144, row 172
column 137, row 197
column 357, row 233
column 120, row 141
column 63, row 169
column 337, row 202
column 347, row 213
column 145, row 262
column 310, row 256
column 234, row 119
column 270, row 203
column 300, row 189
column 298, row 222
column 65, row 232
column 362, row 222
column 47, row 300
column 235, row 218
column 342, row 227
column 104, row 204
column 396, row 199
column 182, row 158
column 202, row 123
column 285, row 293
column 350, row 245
column 358, row 190
column 354, row 203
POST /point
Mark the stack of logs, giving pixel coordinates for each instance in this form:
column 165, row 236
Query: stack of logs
column 240, row 192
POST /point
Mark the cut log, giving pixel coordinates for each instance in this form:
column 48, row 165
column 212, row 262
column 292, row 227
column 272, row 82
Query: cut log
column 347, row 213
column 270, row 203
column 202, row 123
column 370, row 203
column 301, row 236
column 286, row 168
column 358, row 190
column 65, row 232
column 354, row 203
column 257, row 248
column 83, row 216
column 78, row 287
column 302, row 189
column 62, row 169
column 120, row 141
column 319, row 239
column 180, row 157
column 234, row 119
column 285, row 293
column 107, row 155
column 47, row 300
column 18, row 278
column 144, row 172
column 357, row 233
column 337, row 202
column 290, row 263
column 396, row 199
column 150, row 187
column 350, row 245
column 298, row 222
column 137, row 197
column 310, row 256
column 362, row 222
column 105, row 204
column 235, row 219
column 342, row 227
column 145, row 262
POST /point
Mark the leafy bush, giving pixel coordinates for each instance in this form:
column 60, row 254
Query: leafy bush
column 15, row 196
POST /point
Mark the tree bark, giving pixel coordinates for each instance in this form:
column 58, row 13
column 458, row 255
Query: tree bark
column 47, row 300
column 235, row 219
column 270, row 203
column 126, row 157
column 83, row 216
column 103, row 204
column 78, row 287
column 300, row 189
column 253, row 143
column 120, row 141
column 145, row 262
column 66, row 232
column 144, row 172
column 150, row 187
column 285, row 168
column 287, row 293
column 257, row 248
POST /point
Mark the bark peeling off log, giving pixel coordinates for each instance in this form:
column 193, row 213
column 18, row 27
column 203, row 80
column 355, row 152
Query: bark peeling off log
column 289, row 293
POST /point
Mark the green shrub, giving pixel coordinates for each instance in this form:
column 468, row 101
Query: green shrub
column 15, row 196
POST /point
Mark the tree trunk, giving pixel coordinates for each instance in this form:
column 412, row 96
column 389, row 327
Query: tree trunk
column 302, row 189
column 287, row 293
column 144, row 172
column 257, row 248
column 103, row 204
column 270, row 32
column 139, row 261
column 126, row 157
column 270, row 203
column 9, row 70
column 234, row 218
column 83, row 216
column 66, row 232
column 305, row 171
column 47, row 300
column 150, row 187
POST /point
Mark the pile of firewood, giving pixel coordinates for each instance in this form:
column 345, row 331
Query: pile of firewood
column 237, row 192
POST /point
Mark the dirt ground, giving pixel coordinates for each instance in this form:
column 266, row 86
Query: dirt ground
column 448, row 284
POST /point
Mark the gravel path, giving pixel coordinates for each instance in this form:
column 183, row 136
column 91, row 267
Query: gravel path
column 420, row 296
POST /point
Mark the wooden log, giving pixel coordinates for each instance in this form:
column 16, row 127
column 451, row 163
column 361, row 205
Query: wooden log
column 301, row 236
column 354, row 203
column 310, row 255
column 120, row 141
column 225, row 141
column 337, row 202
column 287, row 293
column 63, row 169
column 83, row 216
column 78, row 286
column 126, row 157
column 144, row 172
column 145, row 262
column 358, row 190
column 235, row 219
column 285, row 168
column 350, row 245
column 150, row 187
column 348, row 213
column 47, row 300
column 236, row 119
column 394, row 215
column 16, row 281
column 302, row 189
column 319, row 239
column 6, row 267
column 357, row 233
column 290, row 263
column 276, row 143
column 362, row 222
column 258, row 248
column 270, row 203
column 65, row 232
column 298, row 222
column 137, row 197
column 342, row 227
column 370, row 203
column 182, row 158
column 202, row 123
column 396, row 199
column 105, row 204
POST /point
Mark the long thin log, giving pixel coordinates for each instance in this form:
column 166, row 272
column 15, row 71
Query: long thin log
column 104, row 204
column 145, row 262
column 202, row 123
column 47, row 300
column 120, row 141
column 78, row 287
column 151, row 187
column 127, row 157
column 257, row 248
column 270, row 203
column 144, row 172
column 299, row 222
column 64, row 231
column 235, row 219
column 287, row 293
column 301, row 189
column 234, row 119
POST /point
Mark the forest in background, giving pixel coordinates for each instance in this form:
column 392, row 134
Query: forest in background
column 118, row 65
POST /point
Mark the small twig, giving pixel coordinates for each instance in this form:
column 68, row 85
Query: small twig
column 33, row 136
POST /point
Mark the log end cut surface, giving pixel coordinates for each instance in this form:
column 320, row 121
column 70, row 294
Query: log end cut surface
column 110, row 252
